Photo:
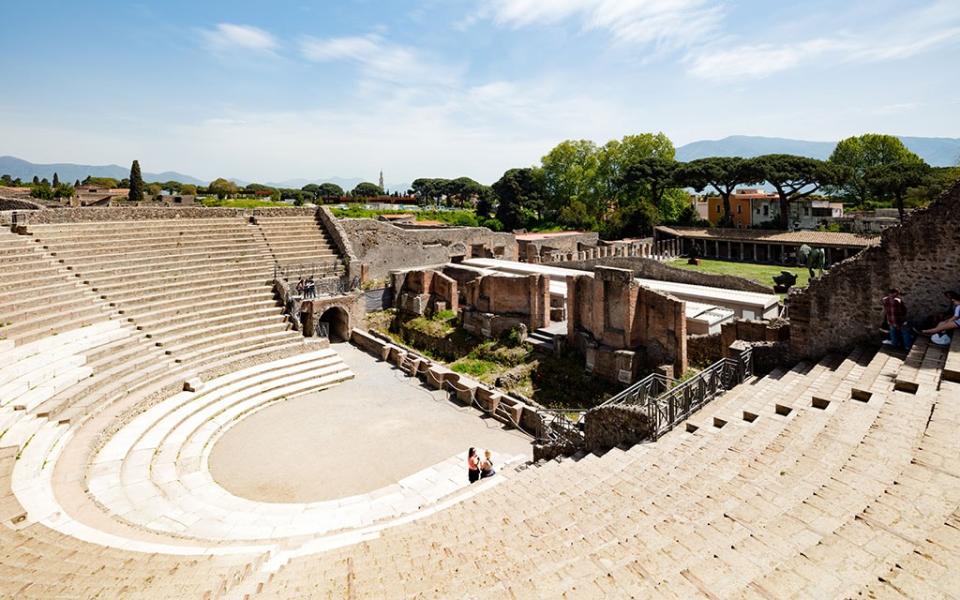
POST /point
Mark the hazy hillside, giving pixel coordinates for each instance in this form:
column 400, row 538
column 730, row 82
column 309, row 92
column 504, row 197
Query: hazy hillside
column 69, row 172
column 939, row 152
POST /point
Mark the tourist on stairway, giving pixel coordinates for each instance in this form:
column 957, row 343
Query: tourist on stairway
column 486, row 465
column 301, row 286
column 473, row 465
column 895, row 311
column 941, row 332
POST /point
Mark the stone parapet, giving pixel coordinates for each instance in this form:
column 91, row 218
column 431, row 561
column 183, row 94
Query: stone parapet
column 647, row 268
column 843, row 308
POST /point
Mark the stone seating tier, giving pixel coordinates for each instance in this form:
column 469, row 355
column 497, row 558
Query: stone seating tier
column 784, row 488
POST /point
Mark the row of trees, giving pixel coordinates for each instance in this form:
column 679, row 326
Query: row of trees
column 626, row 186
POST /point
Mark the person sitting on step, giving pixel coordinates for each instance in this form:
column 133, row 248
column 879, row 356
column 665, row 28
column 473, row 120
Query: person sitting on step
column 940, row 334
column 486, row 465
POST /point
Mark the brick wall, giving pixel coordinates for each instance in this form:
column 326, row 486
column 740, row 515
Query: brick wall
column 842, row 309
column 612, row 312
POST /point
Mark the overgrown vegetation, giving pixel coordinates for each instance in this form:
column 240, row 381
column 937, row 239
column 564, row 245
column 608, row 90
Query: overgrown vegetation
column 556, row 381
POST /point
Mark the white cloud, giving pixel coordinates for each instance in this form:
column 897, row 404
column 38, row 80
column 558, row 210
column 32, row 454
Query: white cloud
column 666, row 23
column 760, row 60
column 228, row 36
column 378, row 59
column 892, row 37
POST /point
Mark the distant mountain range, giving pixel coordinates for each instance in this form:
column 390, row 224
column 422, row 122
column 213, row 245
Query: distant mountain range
column 939, row 152
column 68, row 172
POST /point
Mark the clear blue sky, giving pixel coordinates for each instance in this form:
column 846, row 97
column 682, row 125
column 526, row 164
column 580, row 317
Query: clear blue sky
column 282, row 89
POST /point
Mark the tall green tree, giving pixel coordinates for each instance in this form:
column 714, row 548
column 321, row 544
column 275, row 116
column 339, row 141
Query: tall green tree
column 937, row 181
column 56, row 179
column 366, row 189
column 312, row 189
column 329, row 190
column 617, row 156
column 136, row 183
column 892, row 181
column 796, row 177
column 651, row 177
column 429, row 190
column 223, row 188
column 520, row 193
column 723, row 174
column 861, row 153
column 570, row 173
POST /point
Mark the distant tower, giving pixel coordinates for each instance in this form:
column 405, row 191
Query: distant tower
column 381, row 181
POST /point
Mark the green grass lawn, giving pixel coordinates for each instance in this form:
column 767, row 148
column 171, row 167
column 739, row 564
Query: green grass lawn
column 243, row 203
column 760, row 273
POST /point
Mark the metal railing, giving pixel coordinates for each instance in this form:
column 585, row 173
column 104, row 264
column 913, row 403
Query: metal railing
column 327, row 282
column 555, row 425
column 677, row 403
column 665, row 406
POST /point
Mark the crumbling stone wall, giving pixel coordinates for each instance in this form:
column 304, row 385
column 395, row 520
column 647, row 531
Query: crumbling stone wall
column 424, row 292
column 607, row 427
column 842, row 308
column 704, row 350
column 532, row 250
column 18, row 204
column 498, row 302
column 383, row 247
column 622, row 327
column 647, row 268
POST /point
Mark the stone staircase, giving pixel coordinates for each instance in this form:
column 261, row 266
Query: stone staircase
column 302, row 243
column 806, row 482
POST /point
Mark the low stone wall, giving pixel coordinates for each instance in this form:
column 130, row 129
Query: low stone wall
column 534, row 250
column 123, row 213
column 339, row 236
column 703, row 350
column 651, row 269
column 843, row 308
column 774, row 330
column 767, row 356
column 18, row 204
column 607, row 427
column 382, row 247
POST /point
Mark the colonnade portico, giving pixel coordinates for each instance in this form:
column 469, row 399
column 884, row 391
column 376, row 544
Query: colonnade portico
column 774, row 247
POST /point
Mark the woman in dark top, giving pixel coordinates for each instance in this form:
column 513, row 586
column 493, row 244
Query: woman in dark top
column 473, row 465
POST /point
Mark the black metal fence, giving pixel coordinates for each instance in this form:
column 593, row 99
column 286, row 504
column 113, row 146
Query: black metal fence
column 664, row 406
column 319, row 280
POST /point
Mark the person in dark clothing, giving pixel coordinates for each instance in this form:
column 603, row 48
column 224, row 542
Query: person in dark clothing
column 473, row 465
column 895, row 312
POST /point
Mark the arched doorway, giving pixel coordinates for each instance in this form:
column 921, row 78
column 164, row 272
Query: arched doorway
column 336, row 322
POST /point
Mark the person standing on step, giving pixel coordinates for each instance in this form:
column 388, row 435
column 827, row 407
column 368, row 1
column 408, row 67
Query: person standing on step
column 895, row 312
column 473, row 465
column 301, row 287
column 486, row 465
column 311, row 286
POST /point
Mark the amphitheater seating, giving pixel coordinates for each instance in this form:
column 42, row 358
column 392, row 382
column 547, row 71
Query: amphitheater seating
column 836, row 478
column 799, row 484
column 301, row 242
column 198, row 289
column 37, row 298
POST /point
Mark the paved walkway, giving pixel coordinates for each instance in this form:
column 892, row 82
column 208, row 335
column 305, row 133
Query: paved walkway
column 354, row 438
